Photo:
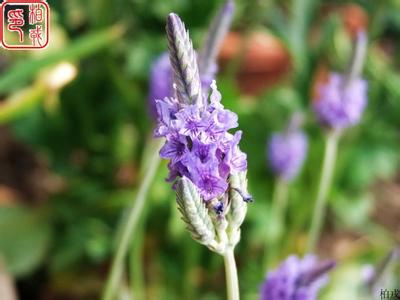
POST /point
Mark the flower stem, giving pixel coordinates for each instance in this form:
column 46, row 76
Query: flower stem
column 324, row 185
column 129, row 226
column 232, row 283
column 136, row 262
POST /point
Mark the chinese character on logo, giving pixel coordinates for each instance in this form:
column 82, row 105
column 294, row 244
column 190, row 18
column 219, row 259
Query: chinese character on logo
column 25, row 24
column 36, row 36
column 35, row 14
column 16, row 21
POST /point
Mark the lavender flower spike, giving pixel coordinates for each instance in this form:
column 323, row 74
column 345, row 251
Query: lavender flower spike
column 287, row 151
column 296, row 279
column 183, row 61
column 204, row 158
column 208, row 54
column 340, row 101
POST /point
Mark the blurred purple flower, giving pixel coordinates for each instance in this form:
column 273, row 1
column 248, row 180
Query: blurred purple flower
column 160, row 81
column 286, row 152
column 296, row 279
column 339, row 103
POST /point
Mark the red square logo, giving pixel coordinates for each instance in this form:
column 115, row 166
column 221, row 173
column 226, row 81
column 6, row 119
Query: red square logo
column 25, row 24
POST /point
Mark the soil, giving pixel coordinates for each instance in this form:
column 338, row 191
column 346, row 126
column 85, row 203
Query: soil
column 24, row 175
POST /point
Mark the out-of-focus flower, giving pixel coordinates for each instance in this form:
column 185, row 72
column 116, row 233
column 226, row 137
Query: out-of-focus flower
column 286, row 152
column 296, row 279
column 354, row 17
column 160, row 81
column 340, row 104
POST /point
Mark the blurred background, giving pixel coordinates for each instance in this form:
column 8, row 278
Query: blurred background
column 75, row 126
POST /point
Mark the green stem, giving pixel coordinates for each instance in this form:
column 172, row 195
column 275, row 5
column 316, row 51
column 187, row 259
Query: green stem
column 136, row 262
column 324, row 185
column 279, row 204
column 232, row 283
column 129, row 226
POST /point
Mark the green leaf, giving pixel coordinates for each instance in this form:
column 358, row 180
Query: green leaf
column 353, row 211
column 25, row 237
column 367, row 164
column 21, row 102
column 25, row 70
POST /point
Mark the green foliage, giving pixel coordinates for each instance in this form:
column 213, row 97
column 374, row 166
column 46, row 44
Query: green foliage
column 25, row 239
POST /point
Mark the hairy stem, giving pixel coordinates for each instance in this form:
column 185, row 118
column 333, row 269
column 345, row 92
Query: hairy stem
column 232, row 283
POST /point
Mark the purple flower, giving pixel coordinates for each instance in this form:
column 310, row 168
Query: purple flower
column 174, row 149
column 286, row 152
column 160, row 81
column 198, row 147
column 207, row 179
column 192, row 120
column 340, row 103
column 195, row 124
column 296, row 279
column 203, row 151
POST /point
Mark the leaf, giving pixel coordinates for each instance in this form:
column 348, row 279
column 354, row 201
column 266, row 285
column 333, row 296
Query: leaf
column 25, row 238
column 353, row 211
column 368, row 164
column 25, row 70
column 21, row 102
column 237, row 213
column 194, row 212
